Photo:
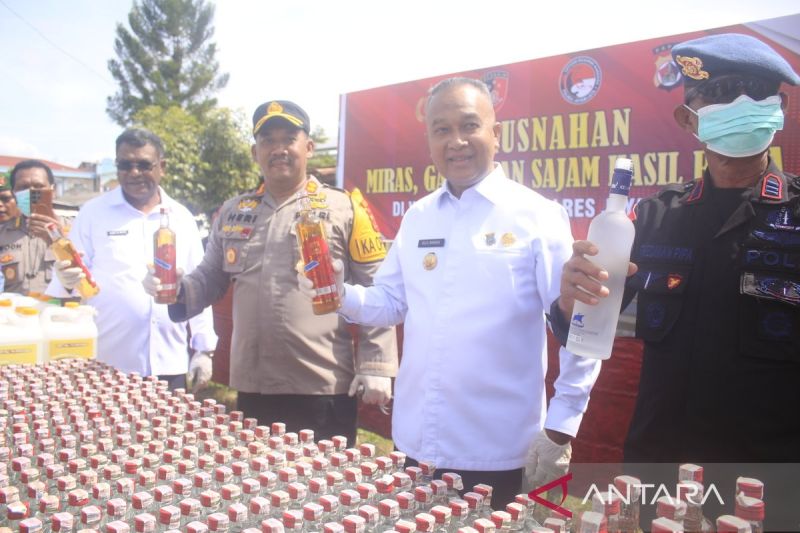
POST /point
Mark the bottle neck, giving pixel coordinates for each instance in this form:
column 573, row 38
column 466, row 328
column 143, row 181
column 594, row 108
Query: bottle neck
column 616, row 202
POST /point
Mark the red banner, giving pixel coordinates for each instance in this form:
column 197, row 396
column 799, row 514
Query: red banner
column 565, row 119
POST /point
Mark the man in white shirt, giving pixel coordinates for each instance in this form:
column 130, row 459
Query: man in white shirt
column 471, row 272
column 115, row 233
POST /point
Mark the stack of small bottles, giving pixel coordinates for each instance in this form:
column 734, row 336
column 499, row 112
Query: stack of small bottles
column 617, row 510
column 86, row 447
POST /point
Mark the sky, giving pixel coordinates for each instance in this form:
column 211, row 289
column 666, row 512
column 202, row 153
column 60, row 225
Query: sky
column 54, row 79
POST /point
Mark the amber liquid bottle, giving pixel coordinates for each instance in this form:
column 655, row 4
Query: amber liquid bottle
column 317, row 264
column 165, row 262
column 64, row 250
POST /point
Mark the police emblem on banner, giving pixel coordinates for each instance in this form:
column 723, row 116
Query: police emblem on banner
column 668, row 75
column 497, row 82
column 580, row 80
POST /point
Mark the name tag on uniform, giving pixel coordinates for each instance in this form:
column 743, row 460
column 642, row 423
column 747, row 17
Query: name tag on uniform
column 430, row 243
column 117, row 233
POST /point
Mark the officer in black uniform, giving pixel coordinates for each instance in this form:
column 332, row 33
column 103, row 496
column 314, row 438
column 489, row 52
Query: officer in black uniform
column 718, row 286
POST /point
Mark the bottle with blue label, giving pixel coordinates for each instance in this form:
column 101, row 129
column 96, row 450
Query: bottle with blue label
column 593, row 327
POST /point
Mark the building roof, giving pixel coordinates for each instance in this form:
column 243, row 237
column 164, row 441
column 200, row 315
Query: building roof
column 11, row 160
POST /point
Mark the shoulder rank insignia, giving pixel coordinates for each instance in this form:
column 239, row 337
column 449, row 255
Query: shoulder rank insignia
column 247, row 204
column 772, row 187
column 366, row 243
column 697, row 191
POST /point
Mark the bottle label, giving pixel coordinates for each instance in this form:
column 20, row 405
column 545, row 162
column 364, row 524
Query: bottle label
column 165, row 263
column 160, row 263
column 18, row 353
column 318, row 265
column 73, row 348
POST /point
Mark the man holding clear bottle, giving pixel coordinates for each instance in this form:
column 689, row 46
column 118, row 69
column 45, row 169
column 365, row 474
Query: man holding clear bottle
column 717, row 282
column 470, row 273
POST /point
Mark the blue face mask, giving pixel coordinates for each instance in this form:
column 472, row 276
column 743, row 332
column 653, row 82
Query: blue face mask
column 741, row 128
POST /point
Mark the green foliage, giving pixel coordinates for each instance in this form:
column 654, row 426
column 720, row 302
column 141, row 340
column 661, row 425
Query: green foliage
column 165, row 59
column 320, row 159
column 208, row 161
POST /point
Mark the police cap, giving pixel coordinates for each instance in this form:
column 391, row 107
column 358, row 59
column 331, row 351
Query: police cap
column 712, row 56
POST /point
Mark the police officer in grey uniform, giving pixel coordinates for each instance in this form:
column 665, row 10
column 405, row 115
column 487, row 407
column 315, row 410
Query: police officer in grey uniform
column 26, row 259
column 718, row 286
column 288, row 364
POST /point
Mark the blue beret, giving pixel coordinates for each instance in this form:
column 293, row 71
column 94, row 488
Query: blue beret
column 712, row 56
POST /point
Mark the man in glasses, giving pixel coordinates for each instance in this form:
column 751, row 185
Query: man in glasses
column 115, row 233
column 25, row 256
column 718, row 283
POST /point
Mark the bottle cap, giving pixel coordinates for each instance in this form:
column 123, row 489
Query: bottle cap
column 621, row 179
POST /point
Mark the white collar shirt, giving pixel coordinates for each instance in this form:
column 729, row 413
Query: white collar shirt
column 471, row 278
column 134, row 333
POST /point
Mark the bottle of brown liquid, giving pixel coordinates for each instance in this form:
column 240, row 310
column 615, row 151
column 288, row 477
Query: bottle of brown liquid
column 164, row 261
column 317, row 265
column 64, row 250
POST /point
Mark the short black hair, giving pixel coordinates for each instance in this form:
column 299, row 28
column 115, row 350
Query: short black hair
column 139, row 137
column 30, row 163
column 457, row 81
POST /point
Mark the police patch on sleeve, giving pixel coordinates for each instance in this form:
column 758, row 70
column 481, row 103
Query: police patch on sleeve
column 366, row 243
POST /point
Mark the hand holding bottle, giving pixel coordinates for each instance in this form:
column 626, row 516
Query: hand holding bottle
column 69, row 276
column 307, row 286
column 152, row 285
column 582, row 280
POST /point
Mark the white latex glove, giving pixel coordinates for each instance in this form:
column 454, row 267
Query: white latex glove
column 68, row 275
column 546, row 461
column 377, row 390
column 152, row 284
column 307, row 286
column 200, row 369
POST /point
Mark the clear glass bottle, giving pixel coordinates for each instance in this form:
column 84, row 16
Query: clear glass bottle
column 237, row 517
column 630, row 488
column 751, row 510
column 593, row 327
column 312, row 515
column 671, row 508
column 691, row 492
column 443, row 515
column 730, row 523
column 389, row 511
column 259, row 510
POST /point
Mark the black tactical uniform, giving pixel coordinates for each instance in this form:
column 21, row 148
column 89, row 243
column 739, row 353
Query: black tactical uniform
column 719, row 311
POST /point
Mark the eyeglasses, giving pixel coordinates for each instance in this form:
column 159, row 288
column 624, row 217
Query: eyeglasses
column 6, row 198
column 141, row 165
column 727, row 89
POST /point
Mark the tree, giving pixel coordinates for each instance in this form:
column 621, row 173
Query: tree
column 208, row 161
column 165, row 59
column 321, row 158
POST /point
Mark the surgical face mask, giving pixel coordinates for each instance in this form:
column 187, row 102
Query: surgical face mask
column 742, row 128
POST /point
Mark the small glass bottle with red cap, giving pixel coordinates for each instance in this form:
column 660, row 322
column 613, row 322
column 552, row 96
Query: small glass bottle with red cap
column 752, row 510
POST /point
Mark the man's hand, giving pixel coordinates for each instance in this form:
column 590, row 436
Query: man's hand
column 37, row 226
column 200, row 369
column 68, row 275
column 582, row 280
column 307, row 286
column 547, row 459
column 377, row 390
column 152, row 284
